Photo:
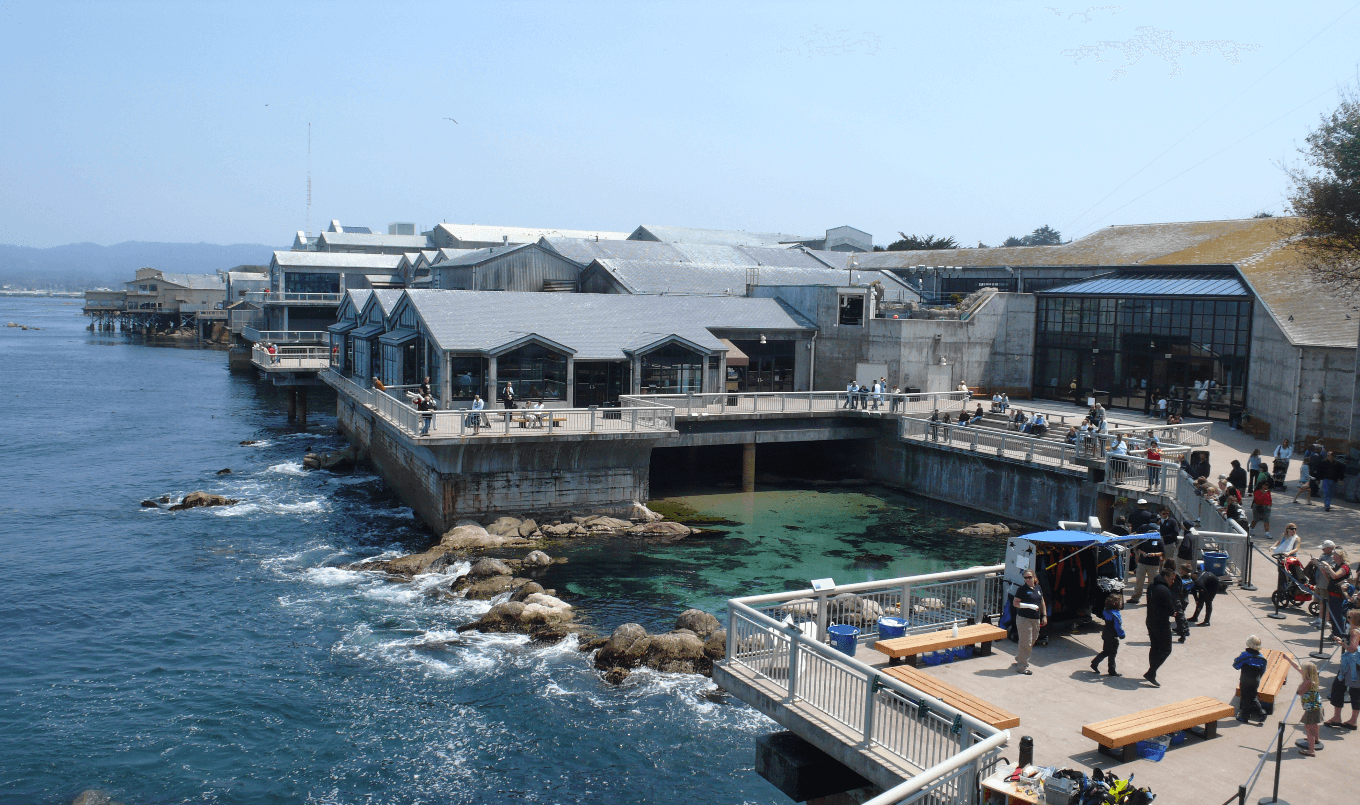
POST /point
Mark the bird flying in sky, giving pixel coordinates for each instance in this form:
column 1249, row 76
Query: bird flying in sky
column 449, row 118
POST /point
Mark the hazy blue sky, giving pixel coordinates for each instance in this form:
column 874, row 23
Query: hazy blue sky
column 188, row 121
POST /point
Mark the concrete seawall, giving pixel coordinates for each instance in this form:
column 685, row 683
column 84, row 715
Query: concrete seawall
column 455, row 478
column 1009, row 489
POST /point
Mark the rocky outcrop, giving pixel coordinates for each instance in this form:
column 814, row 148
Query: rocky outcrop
column 93, row 796
column 985, row 530
column 680, row 651
column 435, row 560
column 531, row 610
column 224, row 471
column 664, row 528
column 195, row 500
column 504, row 527
column 467, row 535
column 639, row 513
column 537, row 559
column 486, row 568
column 338, row 461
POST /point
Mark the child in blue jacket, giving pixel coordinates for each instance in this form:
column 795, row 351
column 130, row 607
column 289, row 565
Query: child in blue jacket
column 1253, row 667
column 1111, row 634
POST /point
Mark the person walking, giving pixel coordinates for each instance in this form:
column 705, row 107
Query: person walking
column 1305, row 478
column 1261, row 502
column 1205, row 589
column 1111, row 634
column 1031, row 615
column 1150, row 553
column 1161, row 606
column 1332, row 472
column 1282, row 455
column 475, row 418
column 1347, row 677
column 1075, row 392
column 1254, row 467
column 1251, row 667
column 850, row 389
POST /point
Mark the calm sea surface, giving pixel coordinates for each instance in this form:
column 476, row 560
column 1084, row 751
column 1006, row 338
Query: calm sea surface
column 222, row 655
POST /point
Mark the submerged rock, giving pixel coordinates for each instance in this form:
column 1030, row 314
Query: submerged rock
column 662, row 529
column 985, row 530
column 434, row 560
column 224, row 471
column 249, row 442
column 93, row 796
column 333, row 462
column 537, row 559
column 194, row 500
column 150, row 504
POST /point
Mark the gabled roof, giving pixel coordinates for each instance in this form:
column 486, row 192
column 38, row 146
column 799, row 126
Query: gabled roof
column 1306, row 311
column 478, row 233
column 351, row 239
column 356, row 260
column 724, row 237
column 1156, row 284
column 583, row 251
column 355, row 299
column 448, row 254
column 473, row 257
column 195, row 282
column 596, row 326
column 386, row 299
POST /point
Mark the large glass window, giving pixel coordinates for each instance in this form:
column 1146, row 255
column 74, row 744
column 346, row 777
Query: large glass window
column 468, row 376
column 304, row 282
column 672, row 370
column 536, row 371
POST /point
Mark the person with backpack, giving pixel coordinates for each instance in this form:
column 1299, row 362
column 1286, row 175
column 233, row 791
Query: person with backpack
column 1111, row 634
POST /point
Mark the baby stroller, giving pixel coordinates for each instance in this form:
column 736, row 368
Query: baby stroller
column 1279, row 469
column 1296, row 591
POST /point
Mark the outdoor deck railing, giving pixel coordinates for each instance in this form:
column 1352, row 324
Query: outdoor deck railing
column 1188, row 434
column 1138, row 474
column 305, row 298
column 775, row 402
column 993, row 442
column 290, row 359
column 774, row 638
column 499, row 421
column 285, row 336
column 948, row 782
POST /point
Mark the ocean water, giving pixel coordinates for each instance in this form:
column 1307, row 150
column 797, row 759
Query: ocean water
column 223, row 655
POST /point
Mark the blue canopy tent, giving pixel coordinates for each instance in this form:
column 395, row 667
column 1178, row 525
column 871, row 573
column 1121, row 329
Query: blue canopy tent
column 1046, row 550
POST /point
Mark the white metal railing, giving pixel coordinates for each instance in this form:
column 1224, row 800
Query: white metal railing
column 774, row 402
column 499, row 421
column 290, row 359
column 286, row 336
column 1189, row 434
column 992, row 442
column 1137, row 474
column 768, row 636
column 956, row 780
column 279, row 296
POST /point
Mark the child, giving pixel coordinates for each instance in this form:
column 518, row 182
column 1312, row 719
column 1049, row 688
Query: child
column 1310, row 696
column 1111, row 634
column 1253, row 667
column 1185, row 584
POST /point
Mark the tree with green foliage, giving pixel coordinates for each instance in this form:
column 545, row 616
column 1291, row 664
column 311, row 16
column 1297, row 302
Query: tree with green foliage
column 1043, row 236
column 916, row 243
column 1326, row 197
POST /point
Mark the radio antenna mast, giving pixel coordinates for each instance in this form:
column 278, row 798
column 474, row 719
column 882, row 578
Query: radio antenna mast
column 309, row 180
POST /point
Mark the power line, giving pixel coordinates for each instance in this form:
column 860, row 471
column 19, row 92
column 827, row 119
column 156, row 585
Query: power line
column 1211, row 116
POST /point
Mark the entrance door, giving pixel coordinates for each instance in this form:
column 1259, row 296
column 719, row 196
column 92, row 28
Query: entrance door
column 600, row 383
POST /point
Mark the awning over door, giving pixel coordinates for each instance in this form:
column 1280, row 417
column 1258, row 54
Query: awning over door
column 735, row 357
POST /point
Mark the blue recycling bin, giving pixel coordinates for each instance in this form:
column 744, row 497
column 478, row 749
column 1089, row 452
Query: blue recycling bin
column 1216, row 562
column 843, row 638
column 890, row 627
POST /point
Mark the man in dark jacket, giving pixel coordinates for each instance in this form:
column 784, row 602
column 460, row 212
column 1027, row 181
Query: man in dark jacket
column 1160, row 607
column 1332, row 472
column 1237, row 476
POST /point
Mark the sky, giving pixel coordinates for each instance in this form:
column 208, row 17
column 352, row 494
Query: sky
column 188, row 122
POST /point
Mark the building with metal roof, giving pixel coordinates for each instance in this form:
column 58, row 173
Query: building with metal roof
column 475, row 236
column 717, row 237
column 577, row 349
column 724, row 279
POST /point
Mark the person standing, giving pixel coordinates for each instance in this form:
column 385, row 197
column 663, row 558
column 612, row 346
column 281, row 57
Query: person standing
column 1305, row 477
column 1338, row 573
column 476, row 416
column 1347, row 676
column 1150, row 553
column 1161, row 407
column 1332, row 472
column 509, row 396
column 935, row 425
column 1251, row 666
column 1161, row 606
column 1075, row 392
column 1310, row 696
column 1139, row 518
column 894, row 399
column 1261, row 502
column 1254, row 467
column 1154, row 470
column 1282, row 454
column 1170, row 531
column 1282, row 550
column 1111, row 634
column 1031, row 615
column 1322, row 579
column 1237, row 476
column 850, row 389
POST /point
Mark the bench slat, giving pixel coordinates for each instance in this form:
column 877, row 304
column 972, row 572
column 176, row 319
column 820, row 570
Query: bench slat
column 955, row 697
column 912, row 645
column 1144, row 724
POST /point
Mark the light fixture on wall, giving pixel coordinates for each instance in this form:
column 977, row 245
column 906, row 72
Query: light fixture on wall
column 762, row 338
column 1317, row 396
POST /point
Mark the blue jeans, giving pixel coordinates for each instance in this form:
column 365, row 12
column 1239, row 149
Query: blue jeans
column 1327, row 485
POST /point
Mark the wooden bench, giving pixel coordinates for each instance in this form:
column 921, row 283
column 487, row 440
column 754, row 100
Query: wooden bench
column 983, row 711
column 1123, row 732
column 536, row 419
column 1277, row 671
column 911, row 646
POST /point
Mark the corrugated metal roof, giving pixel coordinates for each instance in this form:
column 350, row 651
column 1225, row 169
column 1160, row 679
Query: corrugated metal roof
column 358, row 297
column 472, row 257
column 356, row 230
column 597, row 326
column 519, row 234
column 197, row 282
column 1154, row 285
column 366, row 238
column 337, row 260
column 368, row 331
column 724, row 237
column 665, row 277
column 386, row 299
column 583, row 251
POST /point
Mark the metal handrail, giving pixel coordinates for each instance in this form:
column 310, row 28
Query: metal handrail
column 286, row 336
column 777, row 402
column 913, row 789
column 289, row 296
column 290, row 357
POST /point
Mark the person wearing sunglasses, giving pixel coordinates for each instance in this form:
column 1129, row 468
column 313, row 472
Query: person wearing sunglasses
column 1031, row 615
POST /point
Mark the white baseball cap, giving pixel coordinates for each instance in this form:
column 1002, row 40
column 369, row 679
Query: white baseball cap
column 1142, row 501
column 1328, row 544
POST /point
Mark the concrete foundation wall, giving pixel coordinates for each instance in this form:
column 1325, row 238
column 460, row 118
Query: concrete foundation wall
column 445, row 483
column 1007, row 489
column 1330, row 370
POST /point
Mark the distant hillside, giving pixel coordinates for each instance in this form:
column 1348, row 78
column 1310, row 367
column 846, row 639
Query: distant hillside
column 77, row 266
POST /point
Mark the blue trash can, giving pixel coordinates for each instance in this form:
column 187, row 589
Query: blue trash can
column 843, row 638
column 1216, row 562
column 889, row 627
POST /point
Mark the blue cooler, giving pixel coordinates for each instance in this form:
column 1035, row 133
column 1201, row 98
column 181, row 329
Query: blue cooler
column 1216, row 562
column 843, row 638
column 889, row 627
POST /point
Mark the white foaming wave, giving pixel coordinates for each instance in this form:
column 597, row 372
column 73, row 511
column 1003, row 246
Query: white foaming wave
column 236, row 511
column 401, row 513
column 336, row 576
column 312, row 506
column 288, row 468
